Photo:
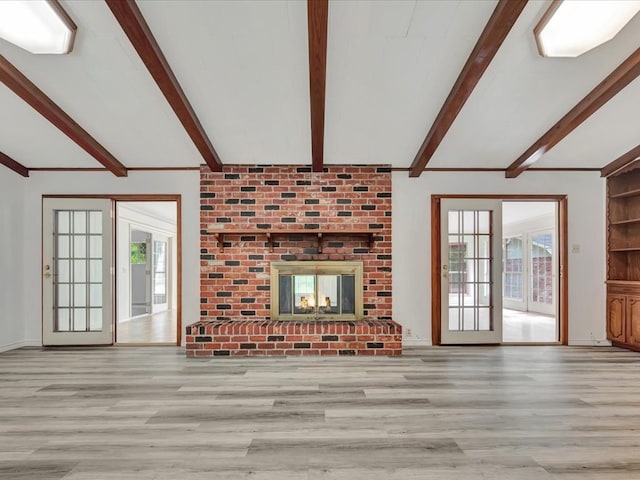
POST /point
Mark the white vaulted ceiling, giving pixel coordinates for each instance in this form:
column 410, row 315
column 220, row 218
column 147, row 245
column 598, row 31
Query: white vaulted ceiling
column 390, row 65
column 244, row 66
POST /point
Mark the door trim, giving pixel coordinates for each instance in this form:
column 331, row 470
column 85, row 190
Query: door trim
column 563, row 257
column 141, row 198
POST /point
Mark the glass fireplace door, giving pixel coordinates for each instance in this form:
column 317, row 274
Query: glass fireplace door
column 316, row 290
column 316, row 296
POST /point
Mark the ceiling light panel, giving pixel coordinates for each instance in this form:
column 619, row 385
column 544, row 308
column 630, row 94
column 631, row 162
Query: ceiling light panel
column 38, row 26
column 570, row 28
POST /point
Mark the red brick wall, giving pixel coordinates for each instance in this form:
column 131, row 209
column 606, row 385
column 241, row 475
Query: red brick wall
column 235, row 283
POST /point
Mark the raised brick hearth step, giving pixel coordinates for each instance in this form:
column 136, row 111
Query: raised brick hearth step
column 209, row 338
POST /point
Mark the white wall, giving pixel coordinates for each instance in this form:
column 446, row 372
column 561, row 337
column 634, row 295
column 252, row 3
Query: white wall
column 51, row 183
column 412, row 244
column 12, row 328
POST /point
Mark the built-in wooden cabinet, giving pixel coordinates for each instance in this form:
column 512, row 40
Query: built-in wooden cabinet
column 623, row 259
column 616, row 313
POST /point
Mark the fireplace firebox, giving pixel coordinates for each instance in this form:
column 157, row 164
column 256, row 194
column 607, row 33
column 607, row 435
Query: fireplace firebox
column 316, row 290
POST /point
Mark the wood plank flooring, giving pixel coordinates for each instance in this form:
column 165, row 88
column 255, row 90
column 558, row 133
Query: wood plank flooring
column 159, row 327
column 435, row 413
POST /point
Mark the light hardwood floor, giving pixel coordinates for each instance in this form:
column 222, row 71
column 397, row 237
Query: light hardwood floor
column 435, row 413
column 156, row 328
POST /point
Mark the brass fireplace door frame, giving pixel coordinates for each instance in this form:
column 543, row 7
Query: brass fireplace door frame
column 322, row 267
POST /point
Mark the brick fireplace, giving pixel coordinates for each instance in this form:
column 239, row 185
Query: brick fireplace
column 253, row 216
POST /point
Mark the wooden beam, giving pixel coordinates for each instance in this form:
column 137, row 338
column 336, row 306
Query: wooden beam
column 622, row 76
column 621, row 162
column 503, row 18
column 9, row 162
column 30, row 93
column 317, row 20
column 135, row 27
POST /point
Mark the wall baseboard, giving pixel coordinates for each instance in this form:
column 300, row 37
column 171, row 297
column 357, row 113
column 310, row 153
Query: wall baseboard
column 424, row 342
column 589, row 343
column 26, row 343
column 416, row 342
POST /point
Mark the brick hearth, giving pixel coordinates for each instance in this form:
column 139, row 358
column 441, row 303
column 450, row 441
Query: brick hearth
column 210, row 338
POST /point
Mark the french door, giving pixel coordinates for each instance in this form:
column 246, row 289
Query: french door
column 77, row 279
column 471, row 271
column 542, row 277
column 530, row 266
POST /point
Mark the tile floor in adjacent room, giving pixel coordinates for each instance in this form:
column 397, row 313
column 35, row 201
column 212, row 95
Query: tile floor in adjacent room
column 524, row 327
column 441, row 413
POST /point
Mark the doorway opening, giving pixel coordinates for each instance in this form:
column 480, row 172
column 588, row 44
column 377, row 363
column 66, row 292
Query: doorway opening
column 499, row 269
column 146, row 266
column 530, row 272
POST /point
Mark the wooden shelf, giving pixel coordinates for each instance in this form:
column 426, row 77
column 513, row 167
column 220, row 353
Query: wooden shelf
column 625, row 222
column 623, row 283
column 320, row 234
column 630, row 193
column 623, row 267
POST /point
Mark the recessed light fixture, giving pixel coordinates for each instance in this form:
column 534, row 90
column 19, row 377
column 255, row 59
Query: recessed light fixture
column 572, row 27
column 38, row 26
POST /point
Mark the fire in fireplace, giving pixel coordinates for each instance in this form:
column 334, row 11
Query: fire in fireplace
column 323, row 290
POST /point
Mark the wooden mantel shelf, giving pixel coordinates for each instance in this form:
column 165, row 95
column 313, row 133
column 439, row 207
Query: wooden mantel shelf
column 272, row 233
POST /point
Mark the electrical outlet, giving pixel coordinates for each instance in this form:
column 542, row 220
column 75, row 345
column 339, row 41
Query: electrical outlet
column 575, row 248
column 408, row 330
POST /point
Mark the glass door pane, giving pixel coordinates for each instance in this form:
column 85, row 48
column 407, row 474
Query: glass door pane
column 328, row 294
column 513, row 268
column 541, row 277
column 77, row 294
column 469, row 272
column 304, row 294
